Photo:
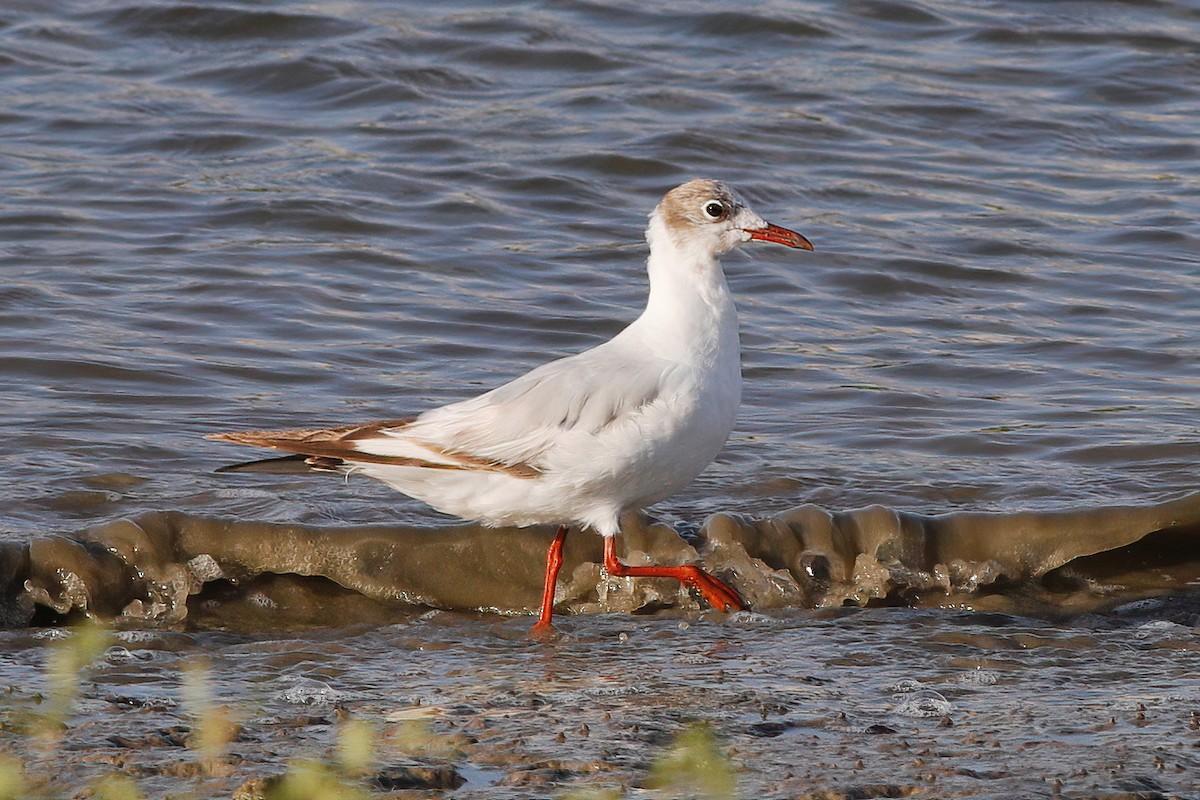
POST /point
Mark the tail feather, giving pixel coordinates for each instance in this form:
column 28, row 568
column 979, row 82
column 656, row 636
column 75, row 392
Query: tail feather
column 328, row 449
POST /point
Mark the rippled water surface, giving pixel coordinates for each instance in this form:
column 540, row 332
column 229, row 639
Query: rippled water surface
column 262, row 214
column 884, row 703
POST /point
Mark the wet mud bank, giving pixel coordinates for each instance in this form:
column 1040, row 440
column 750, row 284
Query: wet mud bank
column 822, row 704
column 173, row 568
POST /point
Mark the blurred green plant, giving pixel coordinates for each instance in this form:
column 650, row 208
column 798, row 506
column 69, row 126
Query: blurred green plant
column 313, row 780
column 416, row 737
column 594, row 794
column 213, row 726
column 67, row 659
column 12, row 779
column 694, row 767
column 356, row 746
column 115, row 787
column 309, row 779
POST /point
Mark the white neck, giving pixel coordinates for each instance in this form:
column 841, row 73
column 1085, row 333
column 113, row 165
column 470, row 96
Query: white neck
column 690, row 312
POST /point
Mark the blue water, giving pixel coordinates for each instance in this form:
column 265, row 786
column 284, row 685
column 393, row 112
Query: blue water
column 267, row 215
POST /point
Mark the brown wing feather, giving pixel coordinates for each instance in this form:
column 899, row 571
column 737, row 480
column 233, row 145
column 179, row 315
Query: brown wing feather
column 338, row 443
column 346, row 433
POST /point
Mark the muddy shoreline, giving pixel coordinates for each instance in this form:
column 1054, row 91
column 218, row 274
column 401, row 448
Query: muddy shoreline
column 888, row 702
column 886, row 655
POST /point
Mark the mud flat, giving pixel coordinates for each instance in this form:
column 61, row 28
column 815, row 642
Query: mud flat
column 890, row 702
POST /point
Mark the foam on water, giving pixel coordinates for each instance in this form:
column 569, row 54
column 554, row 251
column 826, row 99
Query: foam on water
column 165, row 567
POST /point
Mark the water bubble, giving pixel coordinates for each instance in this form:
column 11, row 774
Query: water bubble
column 925, row 703
column 205, row 568
column 123, row 655
column 905, row 685
column 978, row 677
column 311, row 692
column 1140, row 606
column 1159, row 628
column 261, row 600
column 53, row 634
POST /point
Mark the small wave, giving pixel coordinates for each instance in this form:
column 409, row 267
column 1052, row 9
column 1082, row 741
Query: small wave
column 196, row 22
column 162, row 567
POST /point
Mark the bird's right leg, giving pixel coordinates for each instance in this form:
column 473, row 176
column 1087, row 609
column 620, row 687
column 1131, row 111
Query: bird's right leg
column 554, row 560
column 719, row 594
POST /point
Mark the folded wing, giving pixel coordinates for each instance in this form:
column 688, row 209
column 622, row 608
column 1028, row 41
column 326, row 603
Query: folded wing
column 513, row 429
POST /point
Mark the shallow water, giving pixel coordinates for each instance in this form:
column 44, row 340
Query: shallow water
column 281, row 215
column 885, row 703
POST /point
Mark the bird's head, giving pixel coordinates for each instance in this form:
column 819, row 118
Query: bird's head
column 707, row 217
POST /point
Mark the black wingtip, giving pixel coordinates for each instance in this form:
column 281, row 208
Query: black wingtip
column 298, row 464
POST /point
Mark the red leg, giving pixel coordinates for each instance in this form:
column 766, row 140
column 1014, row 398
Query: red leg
column 553, row 563
column 718, row 594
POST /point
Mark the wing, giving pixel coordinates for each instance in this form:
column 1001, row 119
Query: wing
column 511, row 429
column 331, row 448
column 518, row 425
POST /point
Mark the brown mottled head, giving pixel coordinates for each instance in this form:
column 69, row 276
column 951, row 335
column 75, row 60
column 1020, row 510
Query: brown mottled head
column 708, row 215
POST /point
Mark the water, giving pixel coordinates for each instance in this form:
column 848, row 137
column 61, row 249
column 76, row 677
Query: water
column 890, row 702
column 280, row 215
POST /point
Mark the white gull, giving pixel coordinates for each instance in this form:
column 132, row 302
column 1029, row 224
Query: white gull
column 580, row 440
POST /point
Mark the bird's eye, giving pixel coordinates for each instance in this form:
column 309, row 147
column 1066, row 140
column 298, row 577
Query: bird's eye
column 714, row 210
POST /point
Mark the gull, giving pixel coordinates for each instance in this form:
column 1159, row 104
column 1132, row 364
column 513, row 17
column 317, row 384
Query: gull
column 583, row 439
